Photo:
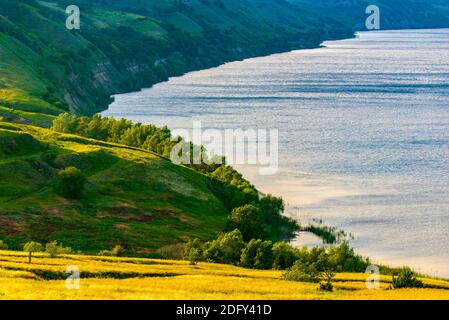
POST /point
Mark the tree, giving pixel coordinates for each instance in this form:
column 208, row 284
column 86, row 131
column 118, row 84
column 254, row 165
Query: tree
column 227, row 248
column 53, row 248
column 71, row 182
column 257, row 254
column 317, row 265
column 248, row 220
column 31, row 247
column 193, row 251
column 272, row 208
column 284, row 255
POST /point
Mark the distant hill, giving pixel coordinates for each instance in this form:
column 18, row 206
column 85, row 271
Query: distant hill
column 126, row 45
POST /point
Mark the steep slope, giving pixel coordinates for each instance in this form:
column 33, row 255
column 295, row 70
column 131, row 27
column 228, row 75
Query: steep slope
column 126, row 45
column 133, row 197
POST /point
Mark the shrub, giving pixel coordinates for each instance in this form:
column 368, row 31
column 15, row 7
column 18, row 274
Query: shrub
column 3, row 245
column 31, row 247
column 327, row 277
column 117, row 251
column 406, row 279
column 315, row 265
column 248, row 219
column 320, row 265
column 302, row 272
column 105, row 253
column 227, row 248
column 257, row 254
column 284, row 255
column 54, row 249
column 71, row 182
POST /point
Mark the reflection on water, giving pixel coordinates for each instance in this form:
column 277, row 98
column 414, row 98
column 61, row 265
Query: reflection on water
column 364, row 134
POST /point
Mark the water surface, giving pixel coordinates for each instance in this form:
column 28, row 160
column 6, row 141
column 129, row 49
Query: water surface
column 364, row 134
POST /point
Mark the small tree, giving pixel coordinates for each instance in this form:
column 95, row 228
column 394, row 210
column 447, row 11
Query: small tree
column 248, row 219
column 117, row 251
column 227, row 248
column 3, row 245
column 284, row 255
column 71, row 182
column 31, row 247
column 257, row 254
column 193, row 251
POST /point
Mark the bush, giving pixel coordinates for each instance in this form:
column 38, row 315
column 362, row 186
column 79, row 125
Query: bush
column 315, row 265
column 320, row 265
column 54, row 249
column 105, row 253
column 257, row 254
column 344, row 259
column 3, row 245
column 284, row 255
column 31, row 247
column 227, row 248
column 327, row 277
column 117, row 251
column 302, row 272
column 406, row 279
column 193, row 251
column 71, row 182
column 248, row 219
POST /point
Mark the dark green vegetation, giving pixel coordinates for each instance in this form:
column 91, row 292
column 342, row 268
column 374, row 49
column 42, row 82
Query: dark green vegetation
column 126, row 45
column 406, row 278
column 320, row 264
column 94, row 194
column 329, row 235
column 71, row 182
column 303, row 264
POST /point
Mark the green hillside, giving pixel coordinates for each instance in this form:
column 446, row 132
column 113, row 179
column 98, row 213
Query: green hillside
column 126, row 45
column 133, row 197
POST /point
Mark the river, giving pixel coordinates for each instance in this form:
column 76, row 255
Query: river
column 363, row 135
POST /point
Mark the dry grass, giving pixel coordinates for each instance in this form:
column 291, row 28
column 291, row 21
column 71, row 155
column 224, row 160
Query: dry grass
column 129, row 278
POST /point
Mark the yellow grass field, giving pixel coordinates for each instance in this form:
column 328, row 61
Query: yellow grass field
column 133, row 278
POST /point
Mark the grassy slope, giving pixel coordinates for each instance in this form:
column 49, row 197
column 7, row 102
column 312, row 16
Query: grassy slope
column 165, row 279
column 133, row 198
column 127, row 45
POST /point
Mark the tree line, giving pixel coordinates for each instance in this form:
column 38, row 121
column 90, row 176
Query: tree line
column 255, row 215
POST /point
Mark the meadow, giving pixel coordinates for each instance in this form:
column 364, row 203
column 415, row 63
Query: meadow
column 140, row 278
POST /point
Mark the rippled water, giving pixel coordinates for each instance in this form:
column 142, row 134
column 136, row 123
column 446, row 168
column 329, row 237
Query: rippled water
column 364, row 134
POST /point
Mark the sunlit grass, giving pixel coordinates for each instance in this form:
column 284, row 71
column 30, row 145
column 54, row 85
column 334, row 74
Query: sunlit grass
column 138, row 278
